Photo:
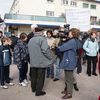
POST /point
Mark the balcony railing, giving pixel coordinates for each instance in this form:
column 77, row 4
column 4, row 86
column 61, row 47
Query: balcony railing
column 95, row 23
column 34, row 18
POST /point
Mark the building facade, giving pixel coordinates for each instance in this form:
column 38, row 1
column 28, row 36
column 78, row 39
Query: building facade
column 53, row 10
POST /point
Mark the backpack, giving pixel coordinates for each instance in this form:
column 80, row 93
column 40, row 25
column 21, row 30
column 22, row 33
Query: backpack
column 6, row 57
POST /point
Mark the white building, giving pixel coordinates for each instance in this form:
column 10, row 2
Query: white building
column 47, row 12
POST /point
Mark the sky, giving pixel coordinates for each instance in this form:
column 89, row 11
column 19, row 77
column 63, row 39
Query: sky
column 5, row 6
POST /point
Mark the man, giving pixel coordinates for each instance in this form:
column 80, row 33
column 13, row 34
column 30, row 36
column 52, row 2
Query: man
column 30, row 35
column 40, row 58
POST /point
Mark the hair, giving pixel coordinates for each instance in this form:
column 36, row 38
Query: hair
column 75, row 32
column 49, row 31
column 23, row 36
column 1, row 32
column 3, row 39
column 92, row 31
column 33, row 26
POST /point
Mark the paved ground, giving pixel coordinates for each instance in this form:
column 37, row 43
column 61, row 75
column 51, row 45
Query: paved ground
column 89, row 88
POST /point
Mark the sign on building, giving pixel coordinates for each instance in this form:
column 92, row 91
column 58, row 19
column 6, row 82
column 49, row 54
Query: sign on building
column 78, row 18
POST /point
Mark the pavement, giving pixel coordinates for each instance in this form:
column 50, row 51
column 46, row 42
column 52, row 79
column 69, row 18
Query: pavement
column 89, row 88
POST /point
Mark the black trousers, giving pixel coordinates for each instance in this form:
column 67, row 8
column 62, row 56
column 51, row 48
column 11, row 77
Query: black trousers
column 4, row 75
column 93, row 61
column 37, row 79
column 79, row 66
column 23, row 71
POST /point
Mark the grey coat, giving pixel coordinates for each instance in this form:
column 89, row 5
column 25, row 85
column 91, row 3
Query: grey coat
column 39, row 52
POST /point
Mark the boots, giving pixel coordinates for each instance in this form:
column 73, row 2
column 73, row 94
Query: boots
column 67, row 96
column 75, row 87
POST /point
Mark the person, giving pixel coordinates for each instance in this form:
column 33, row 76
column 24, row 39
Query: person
column 98, row 39
column 40, row 58
column 21, row 57
column 1, row 35
column 69, row 60
column 30, row 35
column 5, row 61
column 50, row 41
column 14, row 39
column 84, row 38
column 91, row 48
column 57, row 70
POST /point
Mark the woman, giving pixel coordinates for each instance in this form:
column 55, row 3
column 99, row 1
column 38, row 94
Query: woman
column 21, row 58
column 69, row 60
column 51, row 41
column 91, row 48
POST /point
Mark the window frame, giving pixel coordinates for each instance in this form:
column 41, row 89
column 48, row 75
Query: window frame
column 49, row 13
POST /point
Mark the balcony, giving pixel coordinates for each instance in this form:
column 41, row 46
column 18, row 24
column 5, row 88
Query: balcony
column 95, row 22
column 34, row 18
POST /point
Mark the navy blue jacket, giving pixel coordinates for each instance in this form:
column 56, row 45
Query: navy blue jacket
column 1, row 56
column 2, row 47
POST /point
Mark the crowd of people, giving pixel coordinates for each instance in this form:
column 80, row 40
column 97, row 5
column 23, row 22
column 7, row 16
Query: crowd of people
column 48, row 56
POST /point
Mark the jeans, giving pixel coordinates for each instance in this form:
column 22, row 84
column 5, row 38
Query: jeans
column 57, row 70
column 50, row 71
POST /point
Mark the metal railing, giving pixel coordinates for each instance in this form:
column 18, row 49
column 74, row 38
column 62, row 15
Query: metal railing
column 34, row 18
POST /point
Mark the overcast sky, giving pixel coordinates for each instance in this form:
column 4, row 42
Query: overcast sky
column 5, row 6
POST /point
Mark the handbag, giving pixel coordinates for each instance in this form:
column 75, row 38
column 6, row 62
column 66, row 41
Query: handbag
column 6, row 58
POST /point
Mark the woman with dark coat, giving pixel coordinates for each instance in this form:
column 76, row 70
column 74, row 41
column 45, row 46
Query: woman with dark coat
column 21, row 58
column 69, row 60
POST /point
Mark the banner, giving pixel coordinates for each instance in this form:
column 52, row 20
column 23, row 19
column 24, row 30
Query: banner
column 78, row 18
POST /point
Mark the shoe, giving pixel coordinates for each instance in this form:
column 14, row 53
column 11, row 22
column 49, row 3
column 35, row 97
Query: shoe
column 11, row 84
column 95, row 74
column 4, row 86
column 23, row 84
column 25, row 81
column 75, row 87
column 64, row 92
column 89, row 75
column 67, row 96
column 55, row 79
column 41, row 93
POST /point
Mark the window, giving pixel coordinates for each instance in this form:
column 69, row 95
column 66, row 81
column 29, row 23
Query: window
column 85, row 5
column 50, row 0
column 73, row 3
column 65, row 2
column 50, row 13
column 93, row 6
column 93, row 20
